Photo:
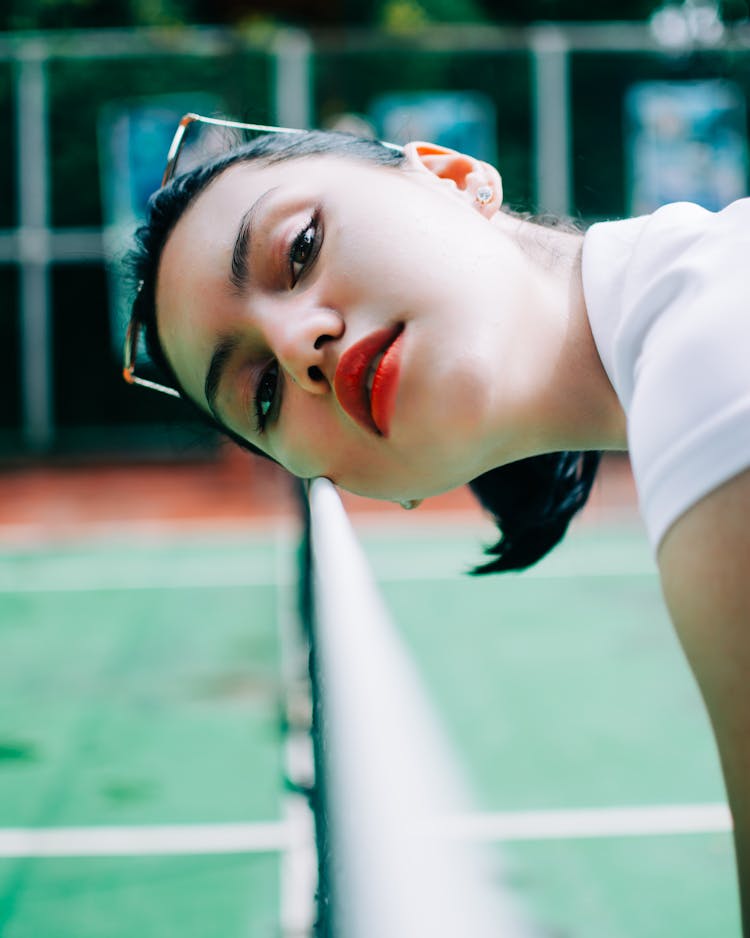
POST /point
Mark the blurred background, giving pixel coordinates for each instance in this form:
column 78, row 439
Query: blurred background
column 606, row 112
column 142, row 560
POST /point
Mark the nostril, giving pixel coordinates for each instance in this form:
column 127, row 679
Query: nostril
column 314, row 373
column 321, row 340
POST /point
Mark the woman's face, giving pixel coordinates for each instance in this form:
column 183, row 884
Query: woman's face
column 353, row 321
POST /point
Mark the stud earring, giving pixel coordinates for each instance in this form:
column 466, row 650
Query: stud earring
column 409, row 503
column 484, row 195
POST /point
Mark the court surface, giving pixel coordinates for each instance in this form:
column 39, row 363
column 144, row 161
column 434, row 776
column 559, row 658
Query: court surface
column 140, row 707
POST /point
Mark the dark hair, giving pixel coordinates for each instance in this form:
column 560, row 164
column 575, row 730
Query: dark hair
column 532, row 500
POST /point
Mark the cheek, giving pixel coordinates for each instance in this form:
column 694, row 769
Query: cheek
column 388, row 249
column 322, row 446
column 308, row 440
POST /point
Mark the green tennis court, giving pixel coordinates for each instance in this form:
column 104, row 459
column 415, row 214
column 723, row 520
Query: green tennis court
column 140, row 699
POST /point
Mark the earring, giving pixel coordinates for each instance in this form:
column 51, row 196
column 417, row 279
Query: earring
column 409, row 503
column 484, row 195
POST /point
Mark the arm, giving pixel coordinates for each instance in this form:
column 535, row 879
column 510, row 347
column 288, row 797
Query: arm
column 704, row 561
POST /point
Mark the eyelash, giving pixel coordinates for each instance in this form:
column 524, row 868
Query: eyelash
column 263, row 402
column 301, row 243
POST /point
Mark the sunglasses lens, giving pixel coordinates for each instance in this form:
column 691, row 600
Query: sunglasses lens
column 202, row 142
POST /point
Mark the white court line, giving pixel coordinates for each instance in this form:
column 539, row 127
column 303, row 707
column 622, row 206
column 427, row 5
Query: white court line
column 636, row 821
column 161, row 531
column 274, row 836
column 70, row 584
column 263, row 837
column 229, row 578
column 166, row 530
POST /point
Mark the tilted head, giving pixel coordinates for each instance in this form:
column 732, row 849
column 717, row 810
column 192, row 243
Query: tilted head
column 167, row 205
column 334, row 304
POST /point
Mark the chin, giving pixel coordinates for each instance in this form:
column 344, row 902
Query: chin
column 413, row 489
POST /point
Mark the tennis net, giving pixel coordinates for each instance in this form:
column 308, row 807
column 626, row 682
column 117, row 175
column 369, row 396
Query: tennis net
column 385, row 784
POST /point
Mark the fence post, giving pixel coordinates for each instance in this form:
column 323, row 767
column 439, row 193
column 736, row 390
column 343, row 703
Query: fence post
column 32, row 156
column 292, row 79
column 552, row 139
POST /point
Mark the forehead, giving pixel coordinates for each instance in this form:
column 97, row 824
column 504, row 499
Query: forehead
column 227, row 195
column 209, row 224
column 212, row 218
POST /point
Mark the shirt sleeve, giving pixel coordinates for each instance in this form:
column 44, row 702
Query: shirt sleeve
column 669, row 304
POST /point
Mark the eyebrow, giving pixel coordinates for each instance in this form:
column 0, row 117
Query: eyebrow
column 239, row 275
column 221, row 355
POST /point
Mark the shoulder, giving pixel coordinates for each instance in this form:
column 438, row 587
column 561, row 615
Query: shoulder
column 673, row 329
column 636, row 270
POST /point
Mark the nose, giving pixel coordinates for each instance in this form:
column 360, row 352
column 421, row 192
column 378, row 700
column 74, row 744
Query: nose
column 300, row 337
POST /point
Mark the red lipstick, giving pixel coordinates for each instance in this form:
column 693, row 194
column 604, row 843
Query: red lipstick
column 373, row 362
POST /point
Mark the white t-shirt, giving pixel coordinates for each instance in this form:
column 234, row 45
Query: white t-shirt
column 668, row 298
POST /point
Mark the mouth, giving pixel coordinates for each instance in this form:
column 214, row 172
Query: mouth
column 366, row 379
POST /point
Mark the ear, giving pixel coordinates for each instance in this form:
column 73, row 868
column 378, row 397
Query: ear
column 479, row 182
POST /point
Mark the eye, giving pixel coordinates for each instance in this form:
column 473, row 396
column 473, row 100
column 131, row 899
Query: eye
column 304, row 249
column 265, row 395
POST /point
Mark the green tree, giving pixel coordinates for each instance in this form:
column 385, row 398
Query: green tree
column 68, row 14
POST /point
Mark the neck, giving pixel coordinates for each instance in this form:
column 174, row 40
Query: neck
column 570, row 401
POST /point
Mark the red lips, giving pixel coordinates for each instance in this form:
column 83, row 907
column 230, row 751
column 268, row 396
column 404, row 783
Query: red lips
column 372, row 409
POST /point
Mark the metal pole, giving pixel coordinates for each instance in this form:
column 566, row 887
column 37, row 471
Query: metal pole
column 552, row 146
column 292, row 81
column 32, row 161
